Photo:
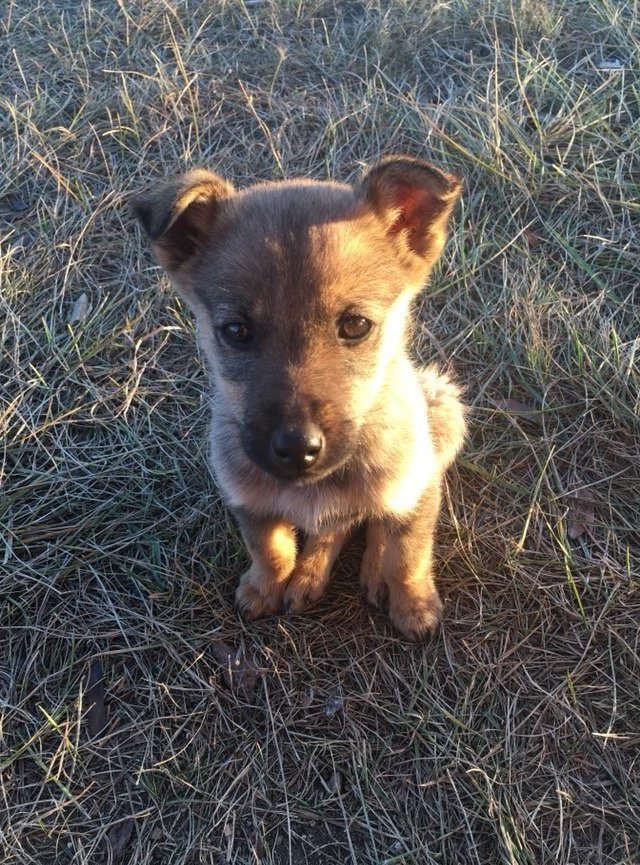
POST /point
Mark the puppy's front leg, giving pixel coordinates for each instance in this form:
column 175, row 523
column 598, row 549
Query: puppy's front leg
column 272, row 546
column 400, row 564
column 313, row 569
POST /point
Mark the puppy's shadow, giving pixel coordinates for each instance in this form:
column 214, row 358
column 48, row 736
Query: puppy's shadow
column 343, row 604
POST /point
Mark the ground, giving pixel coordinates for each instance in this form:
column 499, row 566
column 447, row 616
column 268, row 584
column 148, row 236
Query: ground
column 142, row 721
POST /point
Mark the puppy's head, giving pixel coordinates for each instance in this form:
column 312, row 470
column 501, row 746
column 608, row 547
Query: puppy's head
column 301, row 292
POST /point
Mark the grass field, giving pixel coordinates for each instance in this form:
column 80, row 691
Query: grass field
column 142, row 721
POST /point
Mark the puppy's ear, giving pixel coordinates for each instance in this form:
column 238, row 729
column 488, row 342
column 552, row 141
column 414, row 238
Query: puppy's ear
column 179, row 214
column 414, row 200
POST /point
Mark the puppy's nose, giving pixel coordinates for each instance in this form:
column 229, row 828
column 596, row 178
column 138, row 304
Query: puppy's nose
column 297, row 448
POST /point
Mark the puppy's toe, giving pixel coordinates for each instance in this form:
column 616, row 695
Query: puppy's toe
column 375, row 587
column 376, row 591
column 253, row 604
column 303, row 589
column 416, row 618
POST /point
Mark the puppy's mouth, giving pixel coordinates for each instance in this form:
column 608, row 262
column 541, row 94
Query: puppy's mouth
column 332, row 461
column 308, row 478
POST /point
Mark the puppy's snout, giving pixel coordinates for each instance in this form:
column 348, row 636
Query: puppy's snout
column 297, row 448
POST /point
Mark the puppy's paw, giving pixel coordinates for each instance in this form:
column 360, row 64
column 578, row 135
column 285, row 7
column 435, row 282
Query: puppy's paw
column 371, row 578
column 418, row 618
column 256, row 599
column 303, row 589
column 374, row 586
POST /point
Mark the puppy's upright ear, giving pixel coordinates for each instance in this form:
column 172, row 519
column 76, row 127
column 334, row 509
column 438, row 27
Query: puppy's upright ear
column 414, row 200
column 179, row 215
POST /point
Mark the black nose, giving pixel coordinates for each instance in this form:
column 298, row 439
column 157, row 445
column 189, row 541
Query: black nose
column 296, row 448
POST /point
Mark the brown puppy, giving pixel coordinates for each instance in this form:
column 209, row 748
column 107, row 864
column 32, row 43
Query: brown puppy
column 302, row 293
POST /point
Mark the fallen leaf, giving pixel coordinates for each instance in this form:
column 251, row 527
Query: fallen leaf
column 335, row 783
column 306, row 698
column 333, row 704
column 79, row 310
column 611, row 63
column 531, row 237
column 518, row 409
column 118, row 837
column 580, row 515
column 94, row 697
column 239, row 672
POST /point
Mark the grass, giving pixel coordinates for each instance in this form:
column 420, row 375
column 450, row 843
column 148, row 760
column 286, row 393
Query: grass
column 514, row 737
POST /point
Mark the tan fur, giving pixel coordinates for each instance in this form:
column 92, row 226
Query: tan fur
column 313, row 569
column 273, row 550
column 300, row 256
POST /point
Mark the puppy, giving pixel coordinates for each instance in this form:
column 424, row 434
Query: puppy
column 302, row 293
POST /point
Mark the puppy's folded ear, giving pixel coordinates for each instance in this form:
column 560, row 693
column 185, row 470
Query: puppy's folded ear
column 179, row 215
column 414, row 200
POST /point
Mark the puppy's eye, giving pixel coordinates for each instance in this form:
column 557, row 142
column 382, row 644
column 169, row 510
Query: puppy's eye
column 237, row 332
column 353, row 327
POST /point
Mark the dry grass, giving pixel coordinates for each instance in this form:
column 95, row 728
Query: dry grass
column 514, row 738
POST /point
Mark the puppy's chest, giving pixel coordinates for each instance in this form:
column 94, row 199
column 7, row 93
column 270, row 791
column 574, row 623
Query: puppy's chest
column 332, row 503
column 323, row 506
column 312, row 508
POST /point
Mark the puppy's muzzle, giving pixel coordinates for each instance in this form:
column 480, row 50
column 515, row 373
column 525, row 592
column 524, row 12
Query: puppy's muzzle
column 296, row 450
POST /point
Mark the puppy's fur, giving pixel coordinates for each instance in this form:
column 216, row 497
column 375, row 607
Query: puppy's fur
column 302, row 294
